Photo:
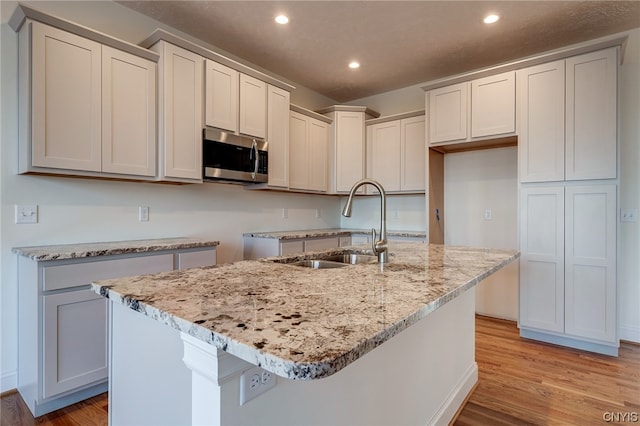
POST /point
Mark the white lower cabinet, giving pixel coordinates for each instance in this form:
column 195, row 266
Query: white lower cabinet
column 568, row 265
column 259, row 247
column 62, row 338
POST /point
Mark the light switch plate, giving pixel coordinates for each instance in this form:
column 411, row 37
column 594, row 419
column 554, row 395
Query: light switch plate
column 26, row 214
column 628, row 215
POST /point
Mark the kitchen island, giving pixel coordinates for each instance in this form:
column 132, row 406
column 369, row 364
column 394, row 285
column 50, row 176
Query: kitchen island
column 399, row 336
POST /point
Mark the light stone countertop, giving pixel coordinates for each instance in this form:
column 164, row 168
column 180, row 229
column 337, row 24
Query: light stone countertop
column 303, row 323
column 331, row 232
column 74, row 251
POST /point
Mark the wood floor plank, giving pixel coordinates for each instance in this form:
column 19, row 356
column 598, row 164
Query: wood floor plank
column 521, row 383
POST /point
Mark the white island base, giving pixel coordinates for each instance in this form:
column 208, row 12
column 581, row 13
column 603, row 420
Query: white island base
column 419, row 377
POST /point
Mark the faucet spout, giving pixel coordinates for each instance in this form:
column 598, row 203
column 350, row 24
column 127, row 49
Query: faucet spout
column 380, row 246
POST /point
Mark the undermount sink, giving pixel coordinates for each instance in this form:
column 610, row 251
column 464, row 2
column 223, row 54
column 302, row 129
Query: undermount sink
column 336, row 261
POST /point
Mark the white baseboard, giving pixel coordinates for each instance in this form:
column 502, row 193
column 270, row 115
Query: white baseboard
column 630, row 333
column 456, row 398
column 8, row 381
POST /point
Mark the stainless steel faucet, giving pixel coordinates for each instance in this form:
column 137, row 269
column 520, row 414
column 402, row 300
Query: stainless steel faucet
column 380, row 247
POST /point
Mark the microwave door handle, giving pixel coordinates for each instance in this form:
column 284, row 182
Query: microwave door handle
column 256, row 160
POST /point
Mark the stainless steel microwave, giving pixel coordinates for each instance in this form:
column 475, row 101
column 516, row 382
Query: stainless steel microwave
column 228, row 157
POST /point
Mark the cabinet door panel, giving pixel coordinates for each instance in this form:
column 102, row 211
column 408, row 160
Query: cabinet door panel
column 493, row 105
column 253, row 107
column 291, row 247
column 349, row 156
column 542, row 258
column 317, row 155
column 590, row 262
column 591, row 136
column 181, row 79
column 298, row 147
column 448, row 108
column 66, row 100
column 278, row 136
column 321, row 244
column 128, row 113
column 75, row 341
column 222, row 95
column 384, row 155
column 414, row 154
column 541, row 122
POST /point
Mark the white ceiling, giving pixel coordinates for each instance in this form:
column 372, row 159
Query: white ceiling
column 398, row 43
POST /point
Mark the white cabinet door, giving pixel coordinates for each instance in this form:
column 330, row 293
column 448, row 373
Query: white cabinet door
column 298, row 150
column 541, row 122
column 222, row 96
column 542, row 258
column 128, row 113
column 318, row 146
column 493, row 105
column 66, row 100
column 384, row 156
column 278, row 135
column 448, row 111
column 348, row 149
column 590, row 262
column 591, row 121
column 253, row 106
column 413, row 151
column 288, row 247
column 196, row 259
column 180, row 111
column 74, row 341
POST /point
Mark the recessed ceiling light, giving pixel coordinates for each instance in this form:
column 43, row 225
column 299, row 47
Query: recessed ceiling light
column 354, row 64
column 490, row 19
column 282, row 19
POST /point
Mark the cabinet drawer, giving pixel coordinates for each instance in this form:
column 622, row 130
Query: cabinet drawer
column 72, row 275
column 321, row 244
column 196, row 259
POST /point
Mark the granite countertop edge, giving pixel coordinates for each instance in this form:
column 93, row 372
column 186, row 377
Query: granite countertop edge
column 112, row 248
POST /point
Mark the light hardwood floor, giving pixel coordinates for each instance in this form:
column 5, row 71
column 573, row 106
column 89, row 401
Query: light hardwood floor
column 521, row 383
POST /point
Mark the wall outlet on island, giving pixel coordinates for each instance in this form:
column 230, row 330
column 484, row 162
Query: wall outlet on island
column 254, row 382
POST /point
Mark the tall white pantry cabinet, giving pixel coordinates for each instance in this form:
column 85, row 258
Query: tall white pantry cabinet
column 568, row 201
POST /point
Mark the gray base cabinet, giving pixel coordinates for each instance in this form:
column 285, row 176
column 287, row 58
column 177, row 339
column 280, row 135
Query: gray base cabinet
column 63, row 324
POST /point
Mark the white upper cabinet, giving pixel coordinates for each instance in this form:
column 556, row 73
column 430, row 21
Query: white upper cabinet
column 278, row 136
column 541, row 124
column 347, row 151
column 383, row 154
column 493, row 105
column 448, row 108
column 180, row 110
column 92, row 108
column 128, row 113
column 591, row 118
column 396, row 154
column 472, row 110
column 222, row 96
column 66, row 99
column 253, row 107
column 567, row 118
column 234, row 101
column 308, row 153
column 413, row 154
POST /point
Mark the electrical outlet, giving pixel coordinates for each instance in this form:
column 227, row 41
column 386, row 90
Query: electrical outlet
column 318, row 216
column 628, row 215
column 26, row 214
column 254, row 382
column 143, row 214
column 396, row 214
column 487, row 214
column 285, row 213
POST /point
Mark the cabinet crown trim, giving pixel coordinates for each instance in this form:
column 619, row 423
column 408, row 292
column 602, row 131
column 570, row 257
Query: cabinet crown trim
column 550, row 56
column 23, row 13
column 161, row 35
column 309, row 113
column 349, row 108
column 394, row 117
